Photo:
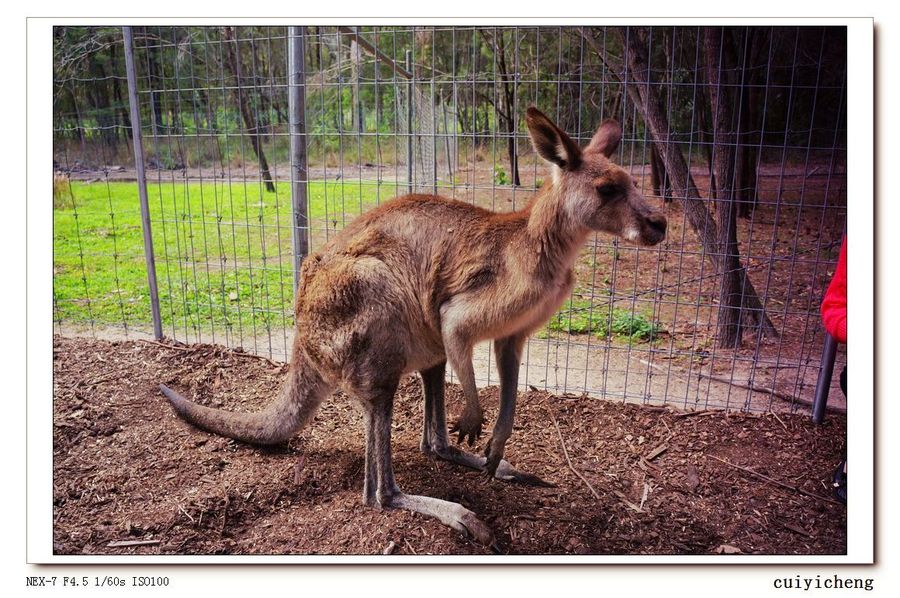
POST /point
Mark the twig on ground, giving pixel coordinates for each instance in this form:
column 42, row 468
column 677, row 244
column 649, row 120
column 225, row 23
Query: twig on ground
column 774, row 481
column 165, row 345
column 793, row 528
column 751, row 387
column 263, row 357
column 102, row 380
column 657, row 452
column 233, row 352
column 702, row 412
column 224, row 511
column 298, row 468
column 186, row 514
column 667, row 427
column 566, row 453
column 780, row 421
column 627, row 502
column 122, row 543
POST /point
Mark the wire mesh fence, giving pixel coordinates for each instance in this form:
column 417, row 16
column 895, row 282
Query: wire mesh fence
column 261, row 143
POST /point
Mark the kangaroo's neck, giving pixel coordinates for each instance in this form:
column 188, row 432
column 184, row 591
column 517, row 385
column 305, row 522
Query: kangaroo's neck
column 551, row 233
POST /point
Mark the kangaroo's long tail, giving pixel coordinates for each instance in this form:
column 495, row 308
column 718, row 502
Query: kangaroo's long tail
column 301, row 395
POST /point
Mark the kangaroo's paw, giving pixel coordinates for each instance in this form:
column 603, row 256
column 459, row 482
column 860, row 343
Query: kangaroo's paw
column 507, row 473
column 449, row 513
column 504, row 471
column 469, row 426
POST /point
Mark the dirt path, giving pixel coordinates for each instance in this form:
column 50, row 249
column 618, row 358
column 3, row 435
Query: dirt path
column 579, row 364
column 126, row 469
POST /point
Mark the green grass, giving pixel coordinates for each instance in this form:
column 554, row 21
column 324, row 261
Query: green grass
column 222, row 250
column 580, row 316
column 223, row 256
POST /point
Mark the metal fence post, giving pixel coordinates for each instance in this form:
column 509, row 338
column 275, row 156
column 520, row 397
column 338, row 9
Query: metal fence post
column 141, row 176
column 299, row 170
column 410, row 86
column 823, row 384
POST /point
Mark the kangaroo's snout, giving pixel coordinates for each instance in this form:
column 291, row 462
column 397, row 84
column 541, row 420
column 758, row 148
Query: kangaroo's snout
column 658, row 223
column 654, row 229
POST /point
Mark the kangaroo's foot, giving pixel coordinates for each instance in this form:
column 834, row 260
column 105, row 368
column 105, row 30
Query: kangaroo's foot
column 469, row 425
column 449, row 513
column 504, row 471
column 493, row 454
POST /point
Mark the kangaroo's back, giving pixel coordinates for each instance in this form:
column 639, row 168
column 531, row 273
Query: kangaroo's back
column 388, row 273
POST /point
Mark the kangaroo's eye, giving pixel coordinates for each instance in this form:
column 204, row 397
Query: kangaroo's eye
column 608, row 191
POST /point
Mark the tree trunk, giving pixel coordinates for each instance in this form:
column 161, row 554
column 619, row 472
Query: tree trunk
column 748, row 155
column 356, row 111
column 739, row 306
column 100, row 102
column 79, row 124
column 507, row 106
column 704, row 124
column 233, row 60
column 751, row 131
column 153, row 67
column 121, row 106
column 658, row 177
column 635, row 71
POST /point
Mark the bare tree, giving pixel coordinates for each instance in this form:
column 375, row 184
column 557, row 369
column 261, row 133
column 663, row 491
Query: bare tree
column 740, row 306
column 506, row 103
column 750, row 132
column 233, row 62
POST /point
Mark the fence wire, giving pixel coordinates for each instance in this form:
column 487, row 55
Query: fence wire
column 758, row 115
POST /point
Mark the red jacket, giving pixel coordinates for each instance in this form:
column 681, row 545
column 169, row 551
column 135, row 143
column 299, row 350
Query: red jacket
column 834, row 305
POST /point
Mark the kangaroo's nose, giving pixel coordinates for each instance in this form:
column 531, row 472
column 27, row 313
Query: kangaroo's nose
column 658, row 223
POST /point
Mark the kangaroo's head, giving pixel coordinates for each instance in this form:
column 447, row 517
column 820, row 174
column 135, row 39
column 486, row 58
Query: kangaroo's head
column 595, row 192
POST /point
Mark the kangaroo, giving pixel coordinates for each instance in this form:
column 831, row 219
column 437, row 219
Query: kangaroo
column 414, row 284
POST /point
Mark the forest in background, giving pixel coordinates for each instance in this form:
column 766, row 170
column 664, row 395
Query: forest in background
column 728, row 99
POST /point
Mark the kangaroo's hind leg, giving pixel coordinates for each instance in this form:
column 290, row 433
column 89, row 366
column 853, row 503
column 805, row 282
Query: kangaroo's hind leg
column 379, row 408
column 434, row 434
column 433, row 407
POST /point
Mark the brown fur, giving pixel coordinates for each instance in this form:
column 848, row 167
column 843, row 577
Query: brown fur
column 416, row 282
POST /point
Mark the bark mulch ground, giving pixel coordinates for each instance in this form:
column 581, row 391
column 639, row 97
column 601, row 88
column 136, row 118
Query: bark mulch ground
column 630, row 480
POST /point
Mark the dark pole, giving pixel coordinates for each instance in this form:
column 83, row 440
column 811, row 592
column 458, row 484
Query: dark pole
column 141, row 180
column 299, row 170
column 823, row 384
column 410, row 86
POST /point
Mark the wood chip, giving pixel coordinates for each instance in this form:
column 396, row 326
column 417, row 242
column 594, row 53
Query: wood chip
column 696, row 413
column 648, row 467
column 298, row 469
column 657, row 452
column 793, row 528
column 644, row 496
column 121, row 543
column 627, row 502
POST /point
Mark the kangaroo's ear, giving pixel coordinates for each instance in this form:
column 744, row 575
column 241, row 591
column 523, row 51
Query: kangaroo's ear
column 606, row 139
column 550, row 142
